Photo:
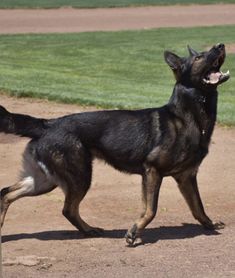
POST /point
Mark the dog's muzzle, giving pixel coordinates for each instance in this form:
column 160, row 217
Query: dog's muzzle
column 214, row 75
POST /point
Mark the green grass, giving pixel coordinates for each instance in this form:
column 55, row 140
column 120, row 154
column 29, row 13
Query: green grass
column 107, row 69
column 100, row 3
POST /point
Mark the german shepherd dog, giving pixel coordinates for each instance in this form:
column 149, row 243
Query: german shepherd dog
column 157, row 142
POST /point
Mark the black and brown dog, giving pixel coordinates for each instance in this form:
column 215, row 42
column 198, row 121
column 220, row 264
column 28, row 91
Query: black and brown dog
column 168, row 141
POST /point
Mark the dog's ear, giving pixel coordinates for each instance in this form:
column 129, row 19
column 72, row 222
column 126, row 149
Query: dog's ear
column 192, row 52
column 174, row 62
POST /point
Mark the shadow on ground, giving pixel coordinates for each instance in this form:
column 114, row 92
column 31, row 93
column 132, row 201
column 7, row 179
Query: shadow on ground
column 150, row 235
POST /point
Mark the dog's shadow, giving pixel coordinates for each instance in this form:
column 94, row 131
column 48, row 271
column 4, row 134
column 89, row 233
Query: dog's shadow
column 150, row 235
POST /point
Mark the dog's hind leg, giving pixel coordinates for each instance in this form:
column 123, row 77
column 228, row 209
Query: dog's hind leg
column 73, row 199
column 189, row 188
column 150, row 192
column 75, row 184
column 35, row 181
column 28, row 186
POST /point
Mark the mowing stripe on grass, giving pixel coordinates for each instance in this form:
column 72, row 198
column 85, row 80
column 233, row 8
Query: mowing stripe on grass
column 107, row 69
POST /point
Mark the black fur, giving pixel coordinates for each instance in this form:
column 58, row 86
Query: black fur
column 22, row 125
column 156, row 142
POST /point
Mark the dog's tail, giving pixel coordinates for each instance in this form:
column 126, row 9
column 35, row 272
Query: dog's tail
column 22, row 125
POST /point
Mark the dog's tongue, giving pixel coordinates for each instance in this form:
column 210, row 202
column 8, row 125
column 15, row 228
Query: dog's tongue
column 214, row 77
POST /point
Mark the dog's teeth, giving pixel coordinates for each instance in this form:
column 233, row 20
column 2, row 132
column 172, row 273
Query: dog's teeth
column 206, row 80
column 226, row 73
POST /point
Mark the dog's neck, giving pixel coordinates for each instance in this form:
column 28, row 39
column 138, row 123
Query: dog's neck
column 198, row 105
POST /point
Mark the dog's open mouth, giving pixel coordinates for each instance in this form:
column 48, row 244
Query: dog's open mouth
column 216, row 77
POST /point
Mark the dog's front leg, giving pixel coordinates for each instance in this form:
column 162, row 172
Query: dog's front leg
column 150, row 190
column 188, row 186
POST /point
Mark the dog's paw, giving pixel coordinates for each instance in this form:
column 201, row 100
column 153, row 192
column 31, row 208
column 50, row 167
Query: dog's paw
column 130, row 238
column 214, row 226
column 133, row 237
column 218, row 225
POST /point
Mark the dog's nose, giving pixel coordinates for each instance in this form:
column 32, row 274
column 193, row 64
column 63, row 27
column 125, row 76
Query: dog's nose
column 220, row 46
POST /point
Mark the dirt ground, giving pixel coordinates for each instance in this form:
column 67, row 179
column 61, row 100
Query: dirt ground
column 75, row 20
column 39, row 242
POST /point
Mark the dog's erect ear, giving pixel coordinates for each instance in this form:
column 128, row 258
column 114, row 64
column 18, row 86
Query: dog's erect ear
column 192, row 52
column 172, row 60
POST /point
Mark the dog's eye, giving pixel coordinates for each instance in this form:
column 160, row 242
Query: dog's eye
column 198, row 58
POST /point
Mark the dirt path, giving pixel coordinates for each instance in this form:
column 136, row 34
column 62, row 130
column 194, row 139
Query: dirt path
column 39, row 242
column 75, row 20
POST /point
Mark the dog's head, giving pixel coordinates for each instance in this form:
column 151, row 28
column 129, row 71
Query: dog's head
column 199, row 70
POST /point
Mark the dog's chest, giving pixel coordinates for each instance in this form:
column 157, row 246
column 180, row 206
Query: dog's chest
column 179, row 151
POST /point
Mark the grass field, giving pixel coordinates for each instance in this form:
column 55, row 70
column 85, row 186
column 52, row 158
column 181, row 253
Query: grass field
column 100, row 3
column 107, row 69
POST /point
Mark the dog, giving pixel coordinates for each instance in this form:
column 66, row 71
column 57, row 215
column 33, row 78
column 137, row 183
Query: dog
column 156, row 142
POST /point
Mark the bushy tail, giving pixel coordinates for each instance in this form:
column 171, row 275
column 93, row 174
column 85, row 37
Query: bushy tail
column 22, row 125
